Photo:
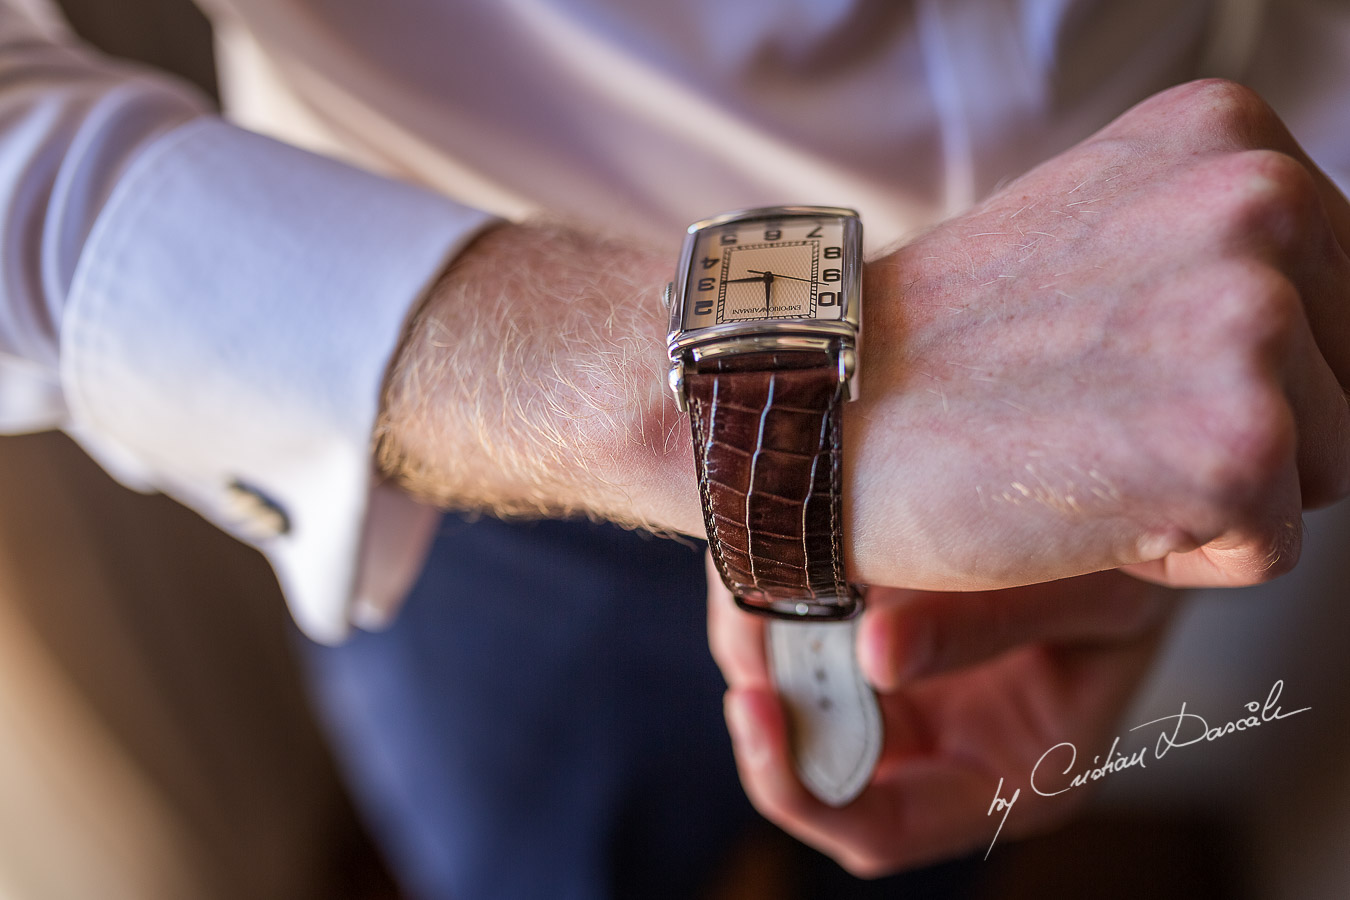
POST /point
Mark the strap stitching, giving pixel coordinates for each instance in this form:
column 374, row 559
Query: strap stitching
column 710, row 524
column 835, row 500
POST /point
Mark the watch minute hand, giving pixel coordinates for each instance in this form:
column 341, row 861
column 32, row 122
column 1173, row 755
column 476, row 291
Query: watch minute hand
column 777, row 275
column 759, row 277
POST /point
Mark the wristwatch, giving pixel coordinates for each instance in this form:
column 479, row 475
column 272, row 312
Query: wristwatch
column 765, row 315
column 763, row 344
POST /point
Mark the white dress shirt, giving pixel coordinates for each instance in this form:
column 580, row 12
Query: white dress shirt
column 211, row 312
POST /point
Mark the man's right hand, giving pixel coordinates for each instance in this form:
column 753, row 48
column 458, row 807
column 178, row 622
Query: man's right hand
column 1134, row 355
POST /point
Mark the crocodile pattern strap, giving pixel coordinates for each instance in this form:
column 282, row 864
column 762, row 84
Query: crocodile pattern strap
column 767, row 445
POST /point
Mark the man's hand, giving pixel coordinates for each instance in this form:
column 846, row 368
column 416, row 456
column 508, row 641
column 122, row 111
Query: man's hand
column 1134, row 355
column 950, row 733
column 1131, row 356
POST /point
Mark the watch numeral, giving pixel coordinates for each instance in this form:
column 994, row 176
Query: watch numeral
column 833, row 252
column 815, row 232
column 827, row 298
column 728, row 237
column 710, row 262
column 772, row 234
column 706, row 284
column 830, row 275
column 703, row 307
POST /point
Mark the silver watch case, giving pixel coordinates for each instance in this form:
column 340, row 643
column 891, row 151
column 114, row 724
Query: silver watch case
column 839, row 338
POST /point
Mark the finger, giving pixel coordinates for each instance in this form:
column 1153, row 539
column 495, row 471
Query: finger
column 1322, row 416
column 1334, row 203
column 759, row 739
column 1324, row 270
column 1227, row 118
column 861, row 835
column 735, row 636
column 1072, row 692
column 934, row 802
column 931, row 810
column 1237, row 559
column 1253, row 124
column 926, row 809
column 905, row 635
column 1320, row 357
column 1238, row 520
column 1262, row 309
column 1264, row 547
column 1280, row 267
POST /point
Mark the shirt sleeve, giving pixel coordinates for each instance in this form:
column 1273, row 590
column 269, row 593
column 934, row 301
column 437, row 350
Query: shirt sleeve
column 210, row 312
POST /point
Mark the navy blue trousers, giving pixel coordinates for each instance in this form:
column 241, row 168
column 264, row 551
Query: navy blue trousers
column 543, row 720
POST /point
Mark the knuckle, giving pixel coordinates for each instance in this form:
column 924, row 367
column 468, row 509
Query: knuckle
column 1267, row 195
column 1234, row 435
column 1255, row 311
column 1251, row 440
column 1166, row 539
column 1226, row 109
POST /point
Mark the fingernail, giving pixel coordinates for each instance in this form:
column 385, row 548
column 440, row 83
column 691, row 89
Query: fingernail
column 745, row 732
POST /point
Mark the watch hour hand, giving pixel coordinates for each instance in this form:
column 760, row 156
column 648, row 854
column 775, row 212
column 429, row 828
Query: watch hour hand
column 759, row 277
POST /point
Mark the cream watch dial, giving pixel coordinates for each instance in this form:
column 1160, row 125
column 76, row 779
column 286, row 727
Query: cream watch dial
column 789, row 268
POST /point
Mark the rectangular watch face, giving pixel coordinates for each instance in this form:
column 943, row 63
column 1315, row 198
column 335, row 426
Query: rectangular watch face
column 783, row 268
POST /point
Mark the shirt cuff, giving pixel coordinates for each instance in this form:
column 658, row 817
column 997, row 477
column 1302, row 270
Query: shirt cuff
column 226, row 339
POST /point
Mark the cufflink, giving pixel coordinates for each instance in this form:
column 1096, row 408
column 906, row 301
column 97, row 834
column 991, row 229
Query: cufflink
column 253, row 514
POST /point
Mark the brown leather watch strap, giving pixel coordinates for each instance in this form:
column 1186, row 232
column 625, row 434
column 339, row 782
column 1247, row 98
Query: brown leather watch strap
column 767, row 446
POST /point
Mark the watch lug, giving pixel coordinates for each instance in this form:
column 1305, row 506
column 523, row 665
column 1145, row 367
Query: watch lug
column 675, row 378
column 848, row 372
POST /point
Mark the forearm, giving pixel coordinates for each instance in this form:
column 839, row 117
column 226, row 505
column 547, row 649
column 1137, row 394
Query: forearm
column 531, row 382
column 166, row 274
column 1049, row 385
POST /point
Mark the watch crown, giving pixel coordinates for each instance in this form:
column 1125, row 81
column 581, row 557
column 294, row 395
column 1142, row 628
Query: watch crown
column 667, row 293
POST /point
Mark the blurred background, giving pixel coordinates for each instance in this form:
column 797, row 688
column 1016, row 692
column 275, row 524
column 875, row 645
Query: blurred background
column 156, row 740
